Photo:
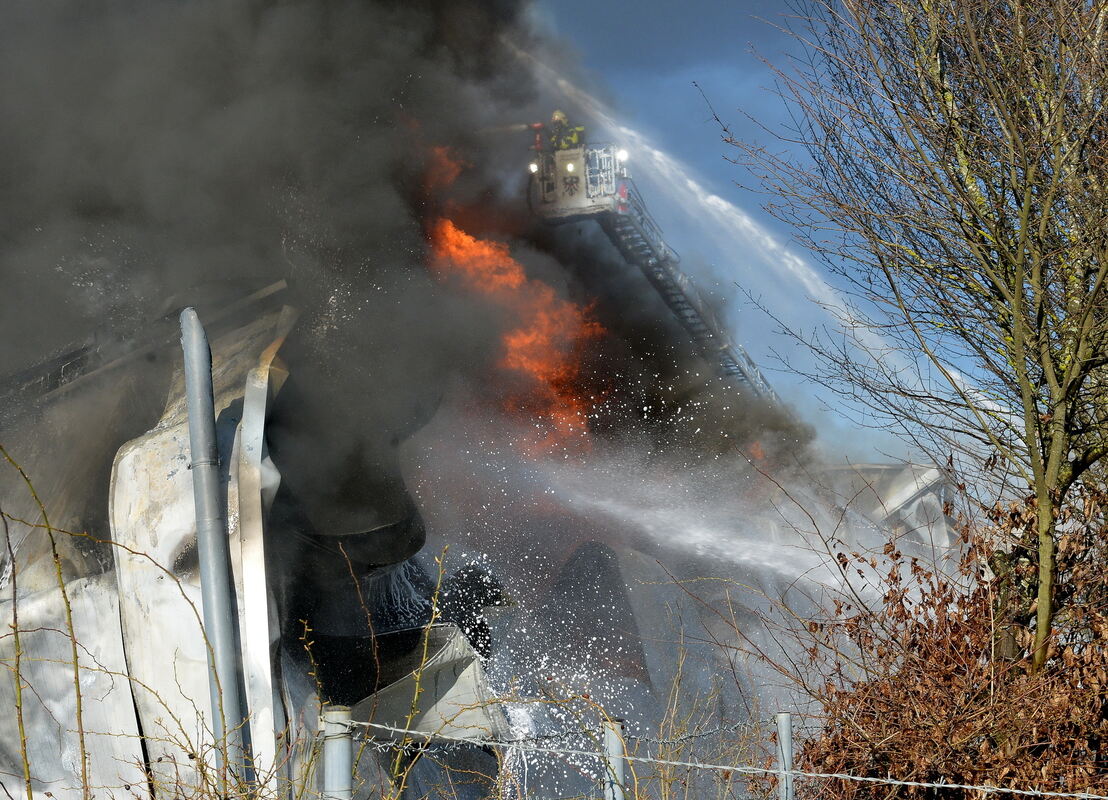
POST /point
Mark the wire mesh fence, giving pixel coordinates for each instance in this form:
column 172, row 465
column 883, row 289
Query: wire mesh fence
column 607, row 759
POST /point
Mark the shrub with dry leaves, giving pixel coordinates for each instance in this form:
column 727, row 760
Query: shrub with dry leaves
column 939, row 685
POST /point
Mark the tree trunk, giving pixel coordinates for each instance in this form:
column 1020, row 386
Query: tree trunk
column 1044, row 602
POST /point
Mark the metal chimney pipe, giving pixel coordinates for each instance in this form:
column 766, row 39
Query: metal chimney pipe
column 212, row 545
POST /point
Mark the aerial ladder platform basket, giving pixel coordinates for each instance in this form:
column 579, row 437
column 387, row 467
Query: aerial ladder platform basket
column 592, row 182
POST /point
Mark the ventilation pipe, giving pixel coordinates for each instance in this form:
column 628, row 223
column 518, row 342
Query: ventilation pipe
column 228, row 719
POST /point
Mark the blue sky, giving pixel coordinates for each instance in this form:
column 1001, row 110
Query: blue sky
column 641, row 59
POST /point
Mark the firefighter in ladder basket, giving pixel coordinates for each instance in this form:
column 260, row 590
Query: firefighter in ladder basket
column 564, row 136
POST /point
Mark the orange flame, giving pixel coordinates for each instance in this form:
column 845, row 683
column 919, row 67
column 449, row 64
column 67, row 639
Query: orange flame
column 486, row 266
column 544, row 348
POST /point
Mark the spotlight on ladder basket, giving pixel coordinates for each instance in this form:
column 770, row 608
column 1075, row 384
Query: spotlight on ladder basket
column 533, row 167
column 570, row 166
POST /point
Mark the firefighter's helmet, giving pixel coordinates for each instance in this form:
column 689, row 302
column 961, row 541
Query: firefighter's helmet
column 559, row 117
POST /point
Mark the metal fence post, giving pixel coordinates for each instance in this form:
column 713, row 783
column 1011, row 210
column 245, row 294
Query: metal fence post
column 614, row 756
column 784, row 755
column 338, row 754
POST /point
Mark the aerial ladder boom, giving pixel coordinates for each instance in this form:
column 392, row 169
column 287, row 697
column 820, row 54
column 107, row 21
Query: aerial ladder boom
column 592, row 182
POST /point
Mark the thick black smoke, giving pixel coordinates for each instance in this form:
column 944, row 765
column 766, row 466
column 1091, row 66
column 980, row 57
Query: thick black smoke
column 149, row 147
column 158, row 154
